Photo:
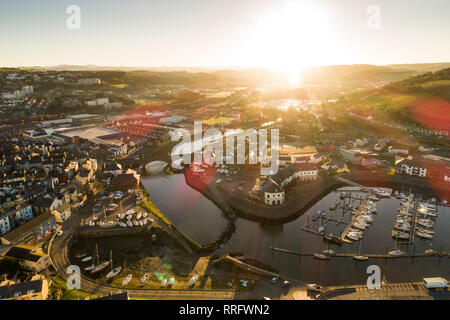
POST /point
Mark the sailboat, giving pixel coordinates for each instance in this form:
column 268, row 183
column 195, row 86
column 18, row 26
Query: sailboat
column 360, row 257
column 114, row 272
column 396, row 252
column 100, row 266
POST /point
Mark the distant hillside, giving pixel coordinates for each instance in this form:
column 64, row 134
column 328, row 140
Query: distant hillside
column 426, row 96
column 421, row 67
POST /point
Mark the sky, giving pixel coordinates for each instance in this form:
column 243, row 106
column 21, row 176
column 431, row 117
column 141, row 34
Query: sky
column 274, row 34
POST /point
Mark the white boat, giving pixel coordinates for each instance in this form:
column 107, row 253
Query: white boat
column 123, row 225
column 141, row 223
column 359, row 226
column 329, row 252
column 114, row 272
column 171, row 281
column 144, row 222
column 424, row 235
column 400, row 235
column 314, row 287
column 193, row 280
column 396, row 253
column 127, row 280
column 402, row 227
column 144, row 215
column 425, row 223
column 102, row 266
column 321, row 256
column 218, row 181
column 163, row 283
column 367, row 218
column 360, row 258
column 139, row 215
column 353, row 237
column 425, row 231
column 129, row 224
column 144, row 279
column 89, row 268
column 321, row 229
column 135, row 223
column 86, row 259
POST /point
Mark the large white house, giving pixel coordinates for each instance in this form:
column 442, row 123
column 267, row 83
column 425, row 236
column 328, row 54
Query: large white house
column 273, row 187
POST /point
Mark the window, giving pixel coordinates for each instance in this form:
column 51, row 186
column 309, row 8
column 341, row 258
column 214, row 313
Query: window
column 30, row 291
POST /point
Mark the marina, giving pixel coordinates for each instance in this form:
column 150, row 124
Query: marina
column 255, row 239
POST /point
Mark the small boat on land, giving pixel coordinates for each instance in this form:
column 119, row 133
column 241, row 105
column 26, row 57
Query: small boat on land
column 144, row 215
column 101, row 267
column 89, row 268
column 129, row 224
column 122, row 225
column 321, row 256
column 314, row 287
column 171, row 281
column 329, row 252
column 86, row 259
column 144, row 279
column 127, row 280
column 163, row 283
column 139, row 215
column 431, row 252
column 114, row 272
column 193, row 280
column 135, row 223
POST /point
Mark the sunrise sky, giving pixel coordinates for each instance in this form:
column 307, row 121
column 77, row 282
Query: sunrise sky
column 242, row 33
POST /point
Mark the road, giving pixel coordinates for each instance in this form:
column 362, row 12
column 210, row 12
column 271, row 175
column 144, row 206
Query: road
column 58, row 252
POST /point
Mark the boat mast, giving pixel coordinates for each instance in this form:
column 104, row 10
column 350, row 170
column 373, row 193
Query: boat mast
column 96, row 250
column 110, row 254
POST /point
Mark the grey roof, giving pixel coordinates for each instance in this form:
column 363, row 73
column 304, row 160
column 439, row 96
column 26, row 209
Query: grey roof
column 20, row 289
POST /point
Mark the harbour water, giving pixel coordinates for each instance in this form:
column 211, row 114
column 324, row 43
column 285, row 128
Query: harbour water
column 199, row 218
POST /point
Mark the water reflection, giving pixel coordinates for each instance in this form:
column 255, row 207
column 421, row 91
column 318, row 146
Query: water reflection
column 203, row 221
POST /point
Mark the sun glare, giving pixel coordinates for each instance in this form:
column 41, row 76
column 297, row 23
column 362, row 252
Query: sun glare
column 288, row 39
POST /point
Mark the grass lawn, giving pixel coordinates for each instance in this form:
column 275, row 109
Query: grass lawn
column 74, row 294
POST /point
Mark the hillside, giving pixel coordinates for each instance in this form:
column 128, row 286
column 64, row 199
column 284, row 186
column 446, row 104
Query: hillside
column 423, row 99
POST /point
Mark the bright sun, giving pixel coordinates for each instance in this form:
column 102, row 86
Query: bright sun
column 289, row 39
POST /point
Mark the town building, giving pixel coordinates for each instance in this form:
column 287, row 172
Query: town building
column 29, row 258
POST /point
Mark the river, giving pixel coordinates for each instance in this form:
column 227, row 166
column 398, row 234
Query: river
column 199, row 218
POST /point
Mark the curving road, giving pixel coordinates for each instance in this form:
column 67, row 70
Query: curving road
column 58, row 252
